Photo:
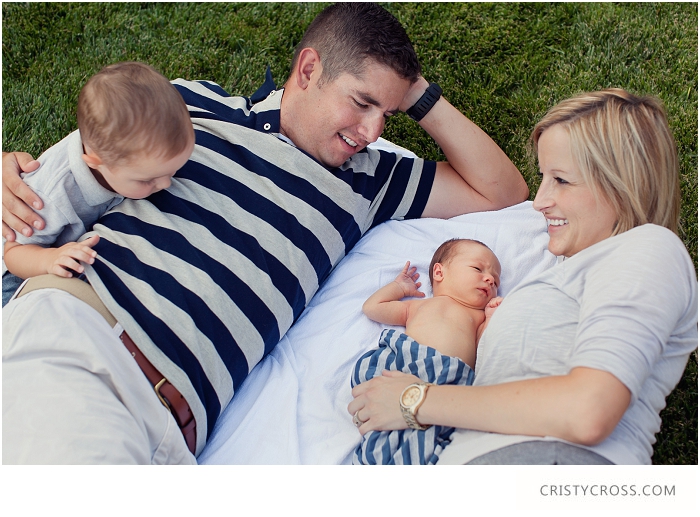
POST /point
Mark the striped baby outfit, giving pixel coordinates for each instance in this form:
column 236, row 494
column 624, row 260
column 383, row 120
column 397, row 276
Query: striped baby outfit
column 399, row 352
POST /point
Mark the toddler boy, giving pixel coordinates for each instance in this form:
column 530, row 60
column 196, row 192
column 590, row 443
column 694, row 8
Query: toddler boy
column 134, row 133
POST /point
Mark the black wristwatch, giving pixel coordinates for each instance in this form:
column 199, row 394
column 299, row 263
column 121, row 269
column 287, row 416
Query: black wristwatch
column 425, row 103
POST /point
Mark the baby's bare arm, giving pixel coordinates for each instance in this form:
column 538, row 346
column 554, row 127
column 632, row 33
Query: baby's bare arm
column 385, row 305
column 28, row 260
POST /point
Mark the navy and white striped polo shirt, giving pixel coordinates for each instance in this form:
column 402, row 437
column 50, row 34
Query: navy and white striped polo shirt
column 208, row 275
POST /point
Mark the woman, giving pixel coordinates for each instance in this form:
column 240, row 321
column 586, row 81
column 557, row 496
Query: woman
column 577, row 362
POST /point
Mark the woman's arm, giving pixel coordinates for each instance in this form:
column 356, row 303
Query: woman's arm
column 582, row 407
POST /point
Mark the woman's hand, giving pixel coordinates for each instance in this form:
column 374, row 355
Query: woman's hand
column 377, row 402
column 17, row 197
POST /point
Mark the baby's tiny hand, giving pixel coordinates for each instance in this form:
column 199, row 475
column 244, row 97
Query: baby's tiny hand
column 492, row 305
column 69, row 256
column 408, row 281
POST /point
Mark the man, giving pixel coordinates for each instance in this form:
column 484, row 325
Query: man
column 202, row 280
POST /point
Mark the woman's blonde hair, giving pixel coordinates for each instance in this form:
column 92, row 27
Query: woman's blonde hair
column 623, row 146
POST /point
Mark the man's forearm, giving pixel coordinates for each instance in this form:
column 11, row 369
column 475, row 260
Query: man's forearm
column 475, row 156
column 477, row 175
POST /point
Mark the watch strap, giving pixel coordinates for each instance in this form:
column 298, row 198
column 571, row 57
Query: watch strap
column 425, row 103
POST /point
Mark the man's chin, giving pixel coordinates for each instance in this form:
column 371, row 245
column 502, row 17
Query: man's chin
column 337, row 161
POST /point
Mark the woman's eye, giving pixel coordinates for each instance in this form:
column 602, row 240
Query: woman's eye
column 559, row 180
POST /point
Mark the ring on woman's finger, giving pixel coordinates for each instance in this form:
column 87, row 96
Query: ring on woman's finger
column 356, row 419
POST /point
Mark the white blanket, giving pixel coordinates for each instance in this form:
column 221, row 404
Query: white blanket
column 292, row 407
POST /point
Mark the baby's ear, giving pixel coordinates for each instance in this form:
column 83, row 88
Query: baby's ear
column 90, row 157
column 438, row 274
column 92, row 160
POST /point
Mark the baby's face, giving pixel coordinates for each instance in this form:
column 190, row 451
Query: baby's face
column 474, row 272
column 145, row 175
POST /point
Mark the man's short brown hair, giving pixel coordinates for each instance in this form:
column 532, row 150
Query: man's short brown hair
column 348, row 34
column 130, row 109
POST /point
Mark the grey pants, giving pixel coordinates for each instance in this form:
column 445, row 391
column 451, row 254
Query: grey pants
column 540, row 453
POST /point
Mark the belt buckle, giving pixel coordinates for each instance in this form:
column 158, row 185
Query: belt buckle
column 156, row 388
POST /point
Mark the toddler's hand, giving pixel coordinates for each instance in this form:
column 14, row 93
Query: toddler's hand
column 408, row 281
column 69, row 256
column 492, row 305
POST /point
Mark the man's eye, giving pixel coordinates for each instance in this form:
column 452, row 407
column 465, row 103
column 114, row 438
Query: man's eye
column 359, row 104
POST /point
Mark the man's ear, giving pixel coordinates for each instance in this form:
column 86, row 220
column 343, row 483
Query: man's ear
column 308, row 64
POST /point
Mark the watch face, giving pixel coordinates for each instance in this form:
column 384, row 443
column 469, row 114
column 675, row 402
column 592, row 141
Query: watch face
column 411, row 396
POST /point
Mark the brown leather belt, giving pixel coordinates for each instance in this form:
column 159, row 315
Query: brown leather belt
column 168, row 394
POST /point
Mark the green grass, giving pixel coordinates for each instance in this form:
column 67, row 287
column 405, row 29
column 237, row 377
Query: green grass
column 503, row 65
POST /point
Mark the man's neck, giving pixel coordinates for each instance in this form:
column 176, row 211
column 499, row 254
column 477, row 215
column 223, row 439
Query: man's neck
column 285, row 111
column 286, row 139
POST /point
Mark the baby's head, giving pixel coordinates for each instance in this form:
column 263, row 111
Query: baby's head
column 467, row 269
column 135, row 128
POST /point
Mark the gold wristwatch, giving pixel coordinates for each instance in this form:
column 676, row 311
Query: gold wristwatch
column 411, row 399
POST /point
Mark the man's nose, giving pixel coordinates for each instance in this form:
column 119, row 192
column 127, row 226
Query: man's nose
column 372, row 126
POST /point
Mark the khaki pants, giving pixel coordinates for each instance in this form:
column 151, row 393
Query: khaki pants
column 72, row 393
